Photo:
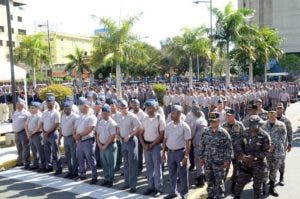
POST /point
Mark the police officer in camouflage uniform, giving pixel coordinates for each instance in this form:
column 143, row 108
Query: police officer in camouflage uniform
column 252, row 152
column 235, row 129
column 215, row 154
column 252, row 109
column 288, row 146
column 277, row 132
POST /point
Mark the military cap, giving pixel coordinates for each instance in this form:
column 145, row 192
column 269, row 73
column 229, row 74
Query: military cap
column 279, row 105
column 255, row 121
column 135, row 101
column 68, row 104
column 214, row 116
column 123, row 103
column 230, row 111
column 35, row 104
column 176, row 108
column 106, row 108
column 50, row 98
column 150, row 103
column 69, row 98
column 111, row 101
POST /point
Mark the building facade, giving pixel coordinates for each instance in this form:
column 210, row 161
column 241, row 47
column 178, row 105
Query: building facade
column 283, row 15
column 17, row 24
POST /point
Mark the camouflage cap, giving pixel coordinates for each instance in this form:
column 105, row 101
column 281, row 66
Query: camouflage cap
column 214, row 116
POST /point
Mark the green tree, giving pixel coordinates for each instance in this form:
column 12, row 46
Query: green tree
column 78, row 63
column 33, row 52
column 118, row 45
column 229, row 21
column 291, row 62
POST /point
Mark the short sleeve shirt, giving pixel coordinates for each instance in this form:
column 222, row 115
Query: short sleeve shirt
column 68, row 124
column 85, row 121
column 49, row 118
column 152, row 126
column 177, row 135
column 19, row 119
column 128, row 123
column 105, row 128
column 33, row 121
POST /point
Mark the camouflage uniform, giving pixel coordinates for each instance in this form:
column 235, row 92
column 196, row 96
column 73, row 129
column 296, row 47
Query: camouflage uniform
column 277, row 132
column 257, row 146
column 263, row 115
column 215, row 149
column 235, row 131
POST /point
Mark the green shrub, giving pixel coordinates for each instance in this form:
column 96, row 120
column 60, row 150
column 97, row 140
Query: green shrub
column 59, row 91
column 160, row 90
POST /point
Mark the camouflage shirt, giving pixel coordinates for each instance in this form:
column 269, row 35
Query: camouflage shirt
column 235, row 131
column 215, row 148
column 289, row 129
column 277, row 132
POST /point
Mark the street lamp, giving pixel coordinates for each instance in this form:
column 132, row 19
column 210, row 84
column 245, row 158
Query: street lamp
column 49, row 46
column 211, row 32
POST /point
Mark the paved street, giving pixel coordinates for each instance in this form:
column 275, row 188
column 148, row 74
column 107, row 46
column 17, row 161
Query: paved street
column 17, row 183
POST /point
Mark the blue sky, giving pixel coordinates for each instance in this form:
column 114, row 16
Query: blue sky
column 160, row 18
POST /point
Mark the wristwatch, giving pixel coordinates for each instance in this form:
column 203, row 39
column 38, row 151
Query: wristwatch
column 186, row 157
column 255, row 158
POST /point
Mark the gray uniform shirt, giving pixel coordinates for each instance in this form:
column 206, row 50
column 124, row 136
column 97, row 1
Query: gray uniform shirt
column 49, row 118
column 177, row 135
column 68, row 124
column 128, row 123
column 18, row 120
column 105, row 128
column 152, row 126
column 85, row 121
column 33, row 121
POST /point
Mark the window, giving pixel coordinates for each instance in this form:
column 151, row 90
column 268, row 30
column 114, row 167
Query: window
column 20, row 19
column 13, row 43
column 1, row 28
column 21, row 32
column 12, row 31
column 1, row 43
column 11, row 17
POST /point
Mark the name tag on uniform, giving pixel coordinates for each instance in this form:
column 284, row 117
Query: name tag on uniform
column 245, row 141
column 258, row 143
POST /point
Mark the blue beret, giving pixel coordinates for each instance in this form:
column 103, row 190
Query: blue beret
column 35, row 104
column 123, row 103
column 51, row 98
column 50, row 94
column 69, row 98
column 106, row 108
column 135, row 101
column 20, row 101
column 84, row 101
column 177, row 108
column 68, row 104
column 150, row 103
column 111, row 101
column 98, row 102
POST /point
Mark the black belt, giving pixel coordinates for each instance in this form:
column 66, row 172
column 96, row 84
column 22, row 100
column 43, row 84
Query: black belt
column 93, row 139
column 20, row 131
column 129, row 138
column 146, row 142
column 175, row 150
column 68, row 135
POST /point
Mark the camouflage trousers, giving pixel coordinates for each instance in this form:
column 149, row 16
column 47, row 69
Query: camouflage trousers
column 258, row 171
column 282, row 164
column 274, row 162
column 214, row 174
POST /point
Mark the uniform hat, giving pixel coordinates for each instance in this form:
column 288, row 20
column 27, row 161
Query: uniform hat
column 230, row 111
column 150, row 103
column 35, row 104
column 258, row 101
column 49, row 94
column 135, row 101
column 123, row 103
column 176, row 108
column 106, row 108
column 214, row 116
column 279, row 105
column 255, row 121
column 111, row 101
column 98, row 102
column 220, row 100
column 84, row 101
column 50, row 98
column 272, row 110
column 251, row 105
column 69, row 98
column 68, row 104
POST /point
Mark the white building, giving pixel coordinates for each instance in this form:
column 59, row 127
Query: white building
column 283, row 15
column 17, row 24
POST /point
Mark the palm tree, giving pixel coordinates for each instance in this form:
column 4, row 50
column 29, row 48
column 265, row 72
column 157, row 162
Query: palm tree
column 33, row 52
column 228, row 24
column 78, row 63
column 190, row 44
column 118, row 45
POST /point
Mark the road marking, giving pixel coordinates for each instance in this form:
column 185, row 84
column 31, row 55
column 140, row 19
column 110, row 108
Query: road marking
column 80, row 188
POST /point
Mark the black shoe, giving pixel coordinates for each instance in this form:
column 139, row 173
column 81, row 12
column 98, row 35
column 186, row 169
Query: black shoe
column 149, row 191
column 19, row 164
column 178, row 180
column 94, row 181
column 272, row 190
column 109, row 184
column 281, row 179
column 200, row 181
column 58, row 172
column 170, row 196
column 132, row 190
column 26, row 167
column 157, row 194
column 41, row 170
column 82, row 177
column 236, row 197
column 117, row 169
column 68, row 175
column 125, row 187
column 74, row 176
column 33, row 168
column 48, row 170
column 104, row 183
column 191, row 168
column 232, row 187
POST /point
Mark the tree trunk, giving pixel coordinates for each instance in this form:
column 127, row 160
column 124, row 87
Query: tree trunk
column 34, row 78
column 118, row 80
column 227, row 65
column 250, row 73
column 190, row 72
column 80, row 80
column 265, row 73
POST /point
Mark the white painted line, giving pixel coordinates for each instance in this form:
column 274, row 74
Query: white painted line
column 80, row 188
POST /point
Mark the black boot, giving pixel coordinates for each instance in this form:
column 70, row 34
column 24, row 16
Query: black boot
column 272, row 190
column 236, row 197
column 232, row 187
column 200, row 181
column 281, row 179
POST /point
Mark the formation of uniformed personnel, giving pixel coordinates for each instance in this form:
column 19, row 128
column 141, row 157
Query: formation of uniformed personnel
column 252, row 152
column 129, row 127
column 235, row 129
column 105, row 136
column 34, row 134
column 277, row 132
column 151, row 136
column 177, row 140
column 49, row 124
column 215, row 154
column 288, row 145
column 68, row 121
column 19, row 119
column 85, row 145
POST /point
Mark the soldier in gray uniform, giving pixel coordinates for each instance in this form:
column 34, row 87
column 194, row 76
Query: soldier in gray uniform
column 289, row 140
column 235, row 129
column 105, row 136
column 49, row 124
column 67, row 130
column 215, row 154
column 35, row 137
column 277, row 132
column 151, row 136
column 129, row 127
column 252, row 152
column 263, row 114
column 84, row 135
column 19, row 119
column 177, row 141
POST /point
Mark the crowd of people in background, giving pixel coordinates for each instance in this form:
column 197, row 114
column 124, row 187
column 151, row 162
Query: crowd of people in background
column 203, row 129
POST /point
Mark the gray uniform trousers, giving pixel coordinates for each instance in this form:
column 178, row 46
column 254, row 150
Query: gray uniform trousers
column 52, row 153
column 108, row 159
column 176, row 170
column 154, row 169
column 119, row 155
column 130, row 155
column 85, row 150
column 70, row 153
column 23, row 147
column 37, row 149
